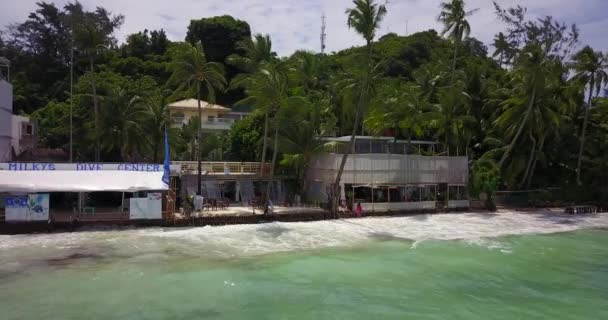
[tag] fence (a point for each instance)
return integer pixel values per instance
(217, 167)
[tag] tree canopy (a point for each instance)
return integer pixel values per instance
(533, 108)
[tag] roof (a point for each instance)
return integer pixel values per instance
(388, 139)
(192, 103)
(82, 177)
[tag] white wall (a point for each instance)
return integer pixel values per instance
(16, 132)
(6, 111)
(385, 168)
(397, 206)
(458, 204)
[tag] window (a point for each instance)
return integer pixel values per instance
(26, 129)
(210, 118)
(178, 118)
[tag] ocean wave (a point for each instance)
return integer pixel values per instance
(250, 240)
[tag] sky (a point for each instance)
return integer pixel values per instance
(296, 24)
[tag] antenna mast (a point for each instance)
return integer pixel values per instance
(323, 34)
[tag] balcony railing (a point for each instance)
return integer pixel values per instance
(230, 168)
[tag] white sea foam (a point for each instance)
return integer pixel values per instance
(250, 240)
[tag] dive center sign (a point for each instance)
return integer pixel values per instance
(43, 166)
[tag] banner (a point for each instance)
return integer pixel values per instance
(16, 208)
(146, 208)
(33, 207)
(38, 206)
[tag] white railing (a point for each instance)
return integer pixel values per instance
(218, 167)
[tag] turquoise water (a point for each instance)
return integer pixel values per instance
(465, 266)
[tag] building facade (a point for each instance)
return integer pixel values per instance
(385, 174)
(6, 120)
(214, 119)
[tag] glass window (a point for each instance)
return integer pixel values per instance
(381, 194)
(427, 193)
(410, 194)
(363, 194)
(178, 118)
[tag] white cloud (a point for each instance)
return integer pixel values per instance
(295, 24)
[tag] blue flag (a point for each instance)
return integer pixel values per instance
(166, 166)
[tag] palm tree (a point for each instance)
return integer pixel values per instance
(401, 108)
(306, 71)
(450, 117)
(590, 68)
(192, 70)
(256, 53)
(365, 18)
(91, 36)
(188, 134)
(120, 119)
(299, 142)
(504, 49)
(156, 120)
(532, 68)
(455, 25)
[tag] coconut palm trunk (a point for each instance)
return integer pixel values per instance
(198, 138)
(95, 109)
(530, 160)
(264, 147)
(335, 194)
(275, 151)
(583, 134)
(456, 43)
(533, 169)
(507, 153)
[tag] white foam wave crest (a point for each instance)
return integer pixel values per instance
(251, 240)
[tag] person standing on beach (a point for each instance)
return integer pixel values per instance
(358, 210)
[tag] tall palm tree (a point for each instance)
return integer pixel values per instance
(192, 70)
(398, 108)
(450, 117)
(299, 143)
(306, 71)
(503, 49)
(531, 72)
(257, 52)
(188, 134)
(91, 36)
(365, 18)
(156, 120)
(453, 16)
(120, 119)
(590, 68)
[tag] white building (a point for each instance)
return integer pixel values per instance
(6, 120)
(385, 174)
(17, 133)
(22, 134)
(214, 118)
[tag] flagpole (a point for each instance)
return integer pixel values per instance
(71, 95)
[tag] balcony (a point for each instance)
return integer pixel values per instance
(217, 124)
(225, 169)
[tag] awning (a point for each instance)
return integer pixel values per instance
(80, 181)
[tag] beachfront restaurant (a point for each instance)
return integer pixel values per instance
(68, 192)
(389, 175)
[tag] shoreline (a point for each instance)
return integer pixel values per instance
(16, 228)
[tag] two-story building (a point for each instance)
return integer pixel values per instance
(214, 118)
(6, 110)
(385, 174)
(17, 133)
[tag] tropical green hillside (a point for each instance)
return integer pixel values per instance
(531, 109)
